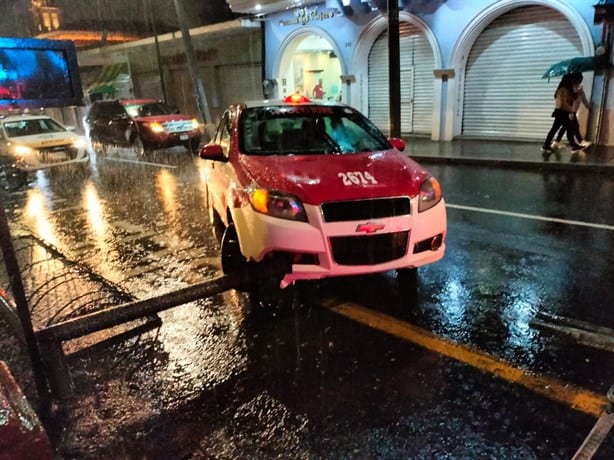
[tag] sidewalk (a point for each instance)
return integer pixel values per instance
(510, 154)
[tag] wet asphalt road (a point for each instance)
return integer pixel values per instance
(339, 375)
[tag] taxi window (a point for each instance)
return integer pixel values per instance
(307, 130)
(223, 132)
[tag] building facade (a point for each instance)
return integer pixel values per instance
(228, 57)
(469, 68)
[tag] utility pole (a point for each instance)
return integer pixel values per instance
(201, 98)
(159, 59)
(394, 72)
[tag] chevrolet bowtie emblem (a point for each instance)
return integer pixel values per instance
(369, 227)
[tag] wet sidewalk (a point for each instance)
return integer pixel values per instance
(514, 154)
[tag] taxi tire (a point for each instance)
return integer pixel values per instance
(232, 259)
(215, 220)
(407, 281)
(407, 275)
(265, 292)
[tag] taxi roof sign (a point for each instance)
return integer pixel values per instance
(296, 98)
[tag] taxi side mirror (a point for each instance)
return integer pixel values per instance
(212, 152)
(397, 143)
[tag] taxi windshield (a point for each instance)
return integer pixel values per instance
(306, 130)
(31, 127)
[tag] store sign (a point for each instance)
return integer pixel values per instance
(304, 15)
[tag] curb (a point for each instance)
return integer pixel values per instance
(593, 168)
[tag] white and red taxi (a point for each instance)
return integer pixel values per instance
(30, 142)
(319, 186)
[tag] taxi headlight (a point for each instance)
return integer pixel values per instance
(22, 150)
(79, 143)
(430, 194)
(195, 124)
(277, 204)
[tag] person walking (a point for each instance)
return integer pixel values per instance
(563, 115)
(318, 90)
(580, 99)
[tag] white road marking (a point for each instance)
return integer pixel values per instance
(139, 162)
(531, 216)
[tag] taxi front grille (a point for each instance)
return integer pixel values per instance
(376, 208)
(57, 153)
(369, 249)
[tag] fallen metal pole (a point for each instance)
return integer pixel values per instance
(114, 316)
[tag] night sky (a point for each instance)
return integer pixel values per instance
(133, 16)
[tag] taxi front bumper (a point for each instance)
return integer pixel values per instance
(318, 249)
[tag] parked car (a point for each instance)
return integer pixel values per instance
(142, 124)
(31, 142)
(315, 187)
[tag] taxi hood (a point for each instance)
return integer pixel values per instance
(318, 178)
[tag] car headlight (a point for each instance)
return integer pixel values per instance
(155, 127)
(430, 194)
(22, 150)
(195, 124)
(276, 204)
(79, 143)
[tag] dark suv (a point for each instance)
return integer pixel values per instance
(142, 124)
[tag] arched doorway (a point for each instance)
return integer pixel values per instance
(417, 62)
(307, 59)
(471, 47)
(504, 95)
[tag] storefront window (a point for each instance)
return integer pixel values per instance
(311, 66)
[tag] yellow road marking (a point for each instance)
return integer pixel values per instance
(578, 398)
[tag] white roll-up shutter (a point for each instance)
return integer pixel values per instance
(504, 94)
(416, 67)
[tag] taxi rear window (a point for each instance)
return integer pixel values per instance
(307, 130)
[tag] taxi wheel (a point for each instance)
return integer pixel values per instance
(265, 292)
(407, 279)
(232, 259)
(408, 275)
(217, 225)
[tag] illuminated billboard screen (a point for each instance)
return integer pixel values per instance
(38, 73)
